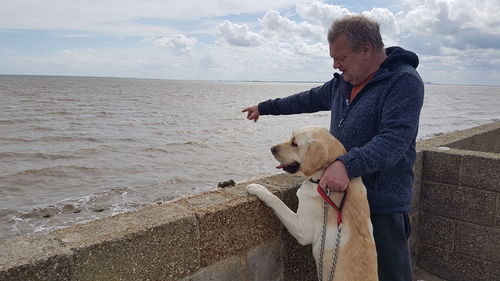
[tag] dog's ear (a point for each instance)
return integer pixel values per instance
(316, 158)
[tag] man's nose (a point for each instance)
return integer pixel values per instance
(336, 65)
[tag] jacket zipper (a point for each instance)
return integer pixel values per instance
(347, 104)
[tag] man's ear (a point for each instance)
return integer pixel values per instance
(316, 158)
(367, 50)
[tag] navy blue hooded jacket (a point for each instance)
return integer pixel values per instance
(378, 128)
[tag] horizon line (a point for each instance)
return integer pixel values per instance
(223, 80)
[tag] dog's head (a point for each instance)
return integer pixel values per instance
(309, 150)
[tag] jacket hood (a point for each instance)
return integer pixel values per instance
(397, 56)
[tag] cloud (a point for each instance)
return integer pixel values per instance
(238, 34)
(458, 41)
(272, 60)
(321, 12)
(144, 61)
(122, 17)
(461, 67)
(178, 43)
(453, 23)
(207, 62)
(325, 14)
(277, 47)
(319, 50)
(442, 33)
(387, 20)
(237, 39)
(279, 27)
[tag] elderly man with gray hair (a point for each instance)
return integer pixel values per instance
(375, 105)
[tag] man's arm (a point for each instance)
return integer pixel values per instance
(314, 100)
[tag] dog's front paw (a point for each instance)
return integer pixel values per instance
(257, 190)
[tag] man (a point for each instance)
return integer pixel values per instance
(375, 107)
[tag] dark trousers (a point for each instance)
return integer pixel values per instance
(391, 232)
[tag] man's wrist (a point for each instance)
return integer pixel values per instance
(339, 160)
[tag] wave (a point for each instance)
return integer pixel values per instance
(188, 143)
(89, 202)
(39, 128)
(67, 212)
(52, 138)
(59, 171)
(37, 155)
(155, 149)
(173, 180)
(63, 112)
(123, 139)
(68, 99)
(104, 113)
(19, 121)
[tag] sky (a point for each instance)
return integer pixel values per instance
(457, 41)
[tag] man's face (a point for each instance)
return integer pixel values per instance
(348, 61)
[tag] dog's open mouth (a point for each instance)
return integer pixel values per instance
(291, 168)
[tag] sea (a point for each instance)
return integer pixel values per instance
(75, 149)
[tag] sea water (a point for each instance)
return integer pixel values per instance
(74, 149)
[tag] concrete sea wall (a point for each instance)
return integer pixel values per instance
(227, 235)
(459, 211)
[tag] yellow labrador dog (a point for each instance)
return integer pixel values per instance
(310, 151)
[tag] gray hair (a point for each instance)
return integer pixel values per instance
(359, 30)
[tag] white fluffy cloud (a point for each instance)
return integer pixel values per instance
(453, 23)
(282, 44)
(446, 34)
(321, 12)
(309, 33)
(238, 34)
(387, 20)
(279, 27)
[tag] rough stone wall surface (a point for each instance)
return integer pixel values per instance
(459, 226)
(219, 234)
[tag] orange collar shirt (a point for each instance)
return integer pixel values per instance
(356, 89)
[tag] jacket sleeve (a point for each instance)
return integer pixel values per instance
(316, 99)
(396, 133)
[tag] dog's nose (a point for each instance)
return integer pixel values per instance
(274, 149)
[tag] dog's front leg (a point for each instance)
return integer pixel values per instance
(292, 221)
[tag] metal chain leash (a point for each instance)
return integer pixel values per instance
(323, 237)
(322, 247)
(336, 253)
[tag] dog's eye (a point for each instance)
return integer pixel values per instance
(294, 143)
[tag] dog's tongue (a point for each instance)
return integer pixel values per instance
(280, 166)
